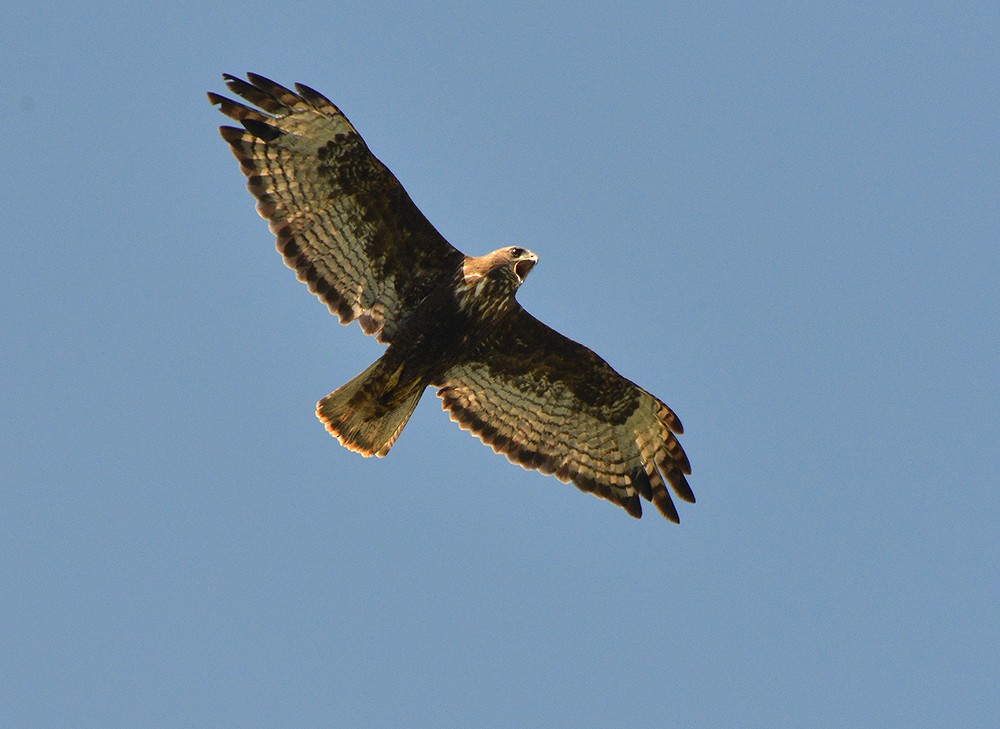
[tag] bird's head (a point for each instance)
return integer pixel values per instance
(511, 263)
(490, 282)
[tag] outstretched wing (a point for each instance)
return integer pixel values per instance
(549, 403)
(342, 220)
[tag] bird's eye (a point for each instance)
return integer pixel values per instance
(516, 252)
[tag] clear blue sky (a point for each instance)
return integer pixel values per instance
(782, 218)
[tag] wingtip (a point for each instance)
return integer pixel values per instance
(257, 79)
(233, 135)
(669, 511)
(633, 506)
(680, 485)
(662, 500)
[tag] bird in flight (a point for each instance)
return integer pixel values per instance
(451, 321)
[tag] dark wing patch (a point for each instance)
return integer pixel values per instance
(549, 403)
(342, 220)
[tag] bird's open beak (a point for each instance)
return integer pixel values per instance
(522, 267)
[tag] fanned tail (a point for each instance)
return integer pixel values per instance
(368, 413)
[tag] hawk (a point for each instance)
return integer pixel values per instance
(345, 224)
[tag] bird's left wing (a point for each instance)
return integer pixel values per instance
(549, 403)
(342, 220)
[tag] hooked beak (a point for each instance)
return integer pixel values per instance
(522, 267)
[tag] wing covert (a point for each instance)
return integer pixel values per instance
(341, 218)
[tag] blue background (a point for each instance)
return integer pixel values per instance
(782, 218)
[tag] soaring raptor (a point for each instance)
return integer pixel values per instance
(352, 234)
